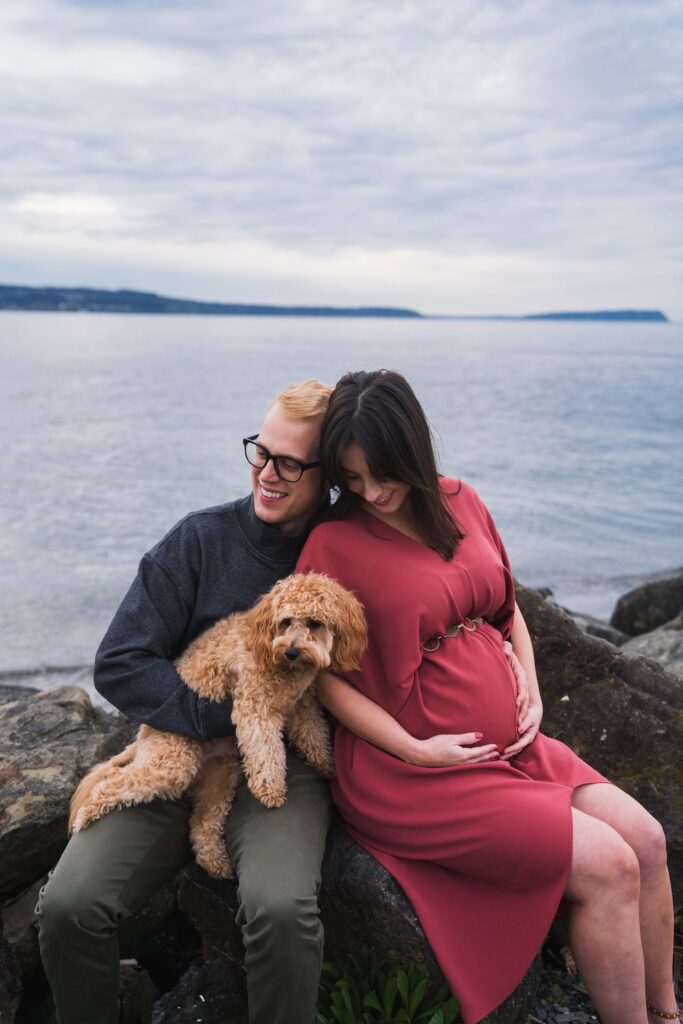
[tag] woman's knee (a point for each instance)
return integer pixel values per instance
(649, 842)
(602, 862)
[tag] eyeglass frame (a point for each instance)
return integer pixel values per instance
(303, 466)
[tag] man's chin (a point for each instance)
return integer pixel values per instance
(274, 512)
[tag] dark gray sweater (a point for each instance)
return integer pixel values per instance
(214, 562)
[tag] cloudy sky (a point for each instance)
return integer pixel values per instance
(462, 156)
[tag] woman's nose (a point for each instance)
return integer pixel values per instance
(372, 490)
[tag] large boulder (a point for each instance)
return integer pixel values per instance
(48, 741)
(623, 714)
(651, 605)
(664, 645)
(10, 982)
(360, 905)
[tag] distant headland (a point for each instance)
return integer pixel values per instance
(100, 300)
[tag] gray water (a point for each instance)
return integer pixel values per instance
(113, 427)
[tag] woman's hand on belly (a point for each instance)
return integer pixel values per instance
(452, 749)
(527, 732)
(521, 681)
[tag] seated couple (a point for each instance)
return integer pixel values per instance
(443, 775)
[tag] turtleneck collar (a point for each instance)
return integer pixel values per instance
(267, 542)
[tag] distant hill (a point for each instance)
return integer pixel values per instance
(97, 300)
(607, 314)
(100, 300)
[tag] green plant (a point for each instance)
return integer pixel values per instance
(363, 990)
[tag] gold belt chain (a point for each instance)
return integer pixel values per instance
(434, 642)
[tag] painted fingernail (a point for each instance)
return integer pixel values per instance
(478, 735)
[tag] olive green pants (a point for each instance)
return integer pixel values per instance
(110, 870)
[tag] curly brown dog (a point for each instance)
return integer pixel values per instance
(266, 659)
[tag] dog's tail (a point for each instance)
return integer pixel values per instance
(89, 781)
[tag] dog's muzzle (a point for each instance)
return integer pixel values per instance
(292, 653)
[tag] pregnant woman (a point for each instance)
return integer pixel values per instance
(442, 774)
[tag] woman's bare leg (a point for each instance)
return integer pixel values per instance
(604, 927)
(645, 836)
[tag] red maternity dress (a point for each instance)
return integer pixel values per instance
(482, 851)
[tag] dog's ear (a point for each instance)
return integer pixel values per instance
(260, 633)
(350, 633)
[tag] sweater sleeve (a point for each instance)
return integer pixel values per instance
(134, 664)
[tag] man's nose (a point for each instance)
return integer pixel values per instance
(268, 473)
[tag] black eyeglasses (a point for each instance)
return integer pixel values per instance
(286, 467)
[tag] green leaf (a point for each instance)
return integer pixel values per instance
(371, 1000)
(402, 983)
(450, 1010)
(417, 996)
(389, 995)
(437, 1018)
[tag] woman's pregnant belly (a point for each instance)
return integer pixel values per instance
(465, 686)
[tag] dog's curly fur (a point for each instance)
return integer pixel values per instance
(267, 660)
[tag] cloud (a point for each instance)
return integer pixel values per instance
(468, 135)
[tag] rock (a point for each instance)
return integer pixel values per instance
(138, 994)
(10, 982)
(651, 605)
(15, 692)
(20, 928)
(48, 741)
(360, 905)
(211, 906)
(205, 993)
(596, 627)
(621, 713)
(161, 938)
(664, 645)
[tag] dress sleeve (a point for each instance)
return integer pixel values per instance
(323, 552)
(502, 616)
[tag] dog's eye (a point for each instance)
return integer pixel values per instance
(285, 623)
(313, 624)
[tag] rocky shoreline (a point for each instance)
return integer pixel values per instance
(612, 691)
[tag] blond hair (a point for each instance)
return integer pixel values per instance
(303, 399)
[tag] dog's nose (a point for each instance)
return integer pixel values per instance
(292, 653)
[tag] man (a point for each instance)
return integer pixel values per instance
(214, 562)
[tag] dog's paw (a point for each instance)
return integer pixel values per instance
(216, 863)
(82, 820)
(326, 768)
(271, 794)
(322, 764)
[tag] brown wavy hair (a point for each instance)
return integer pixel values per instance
(379, 411)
